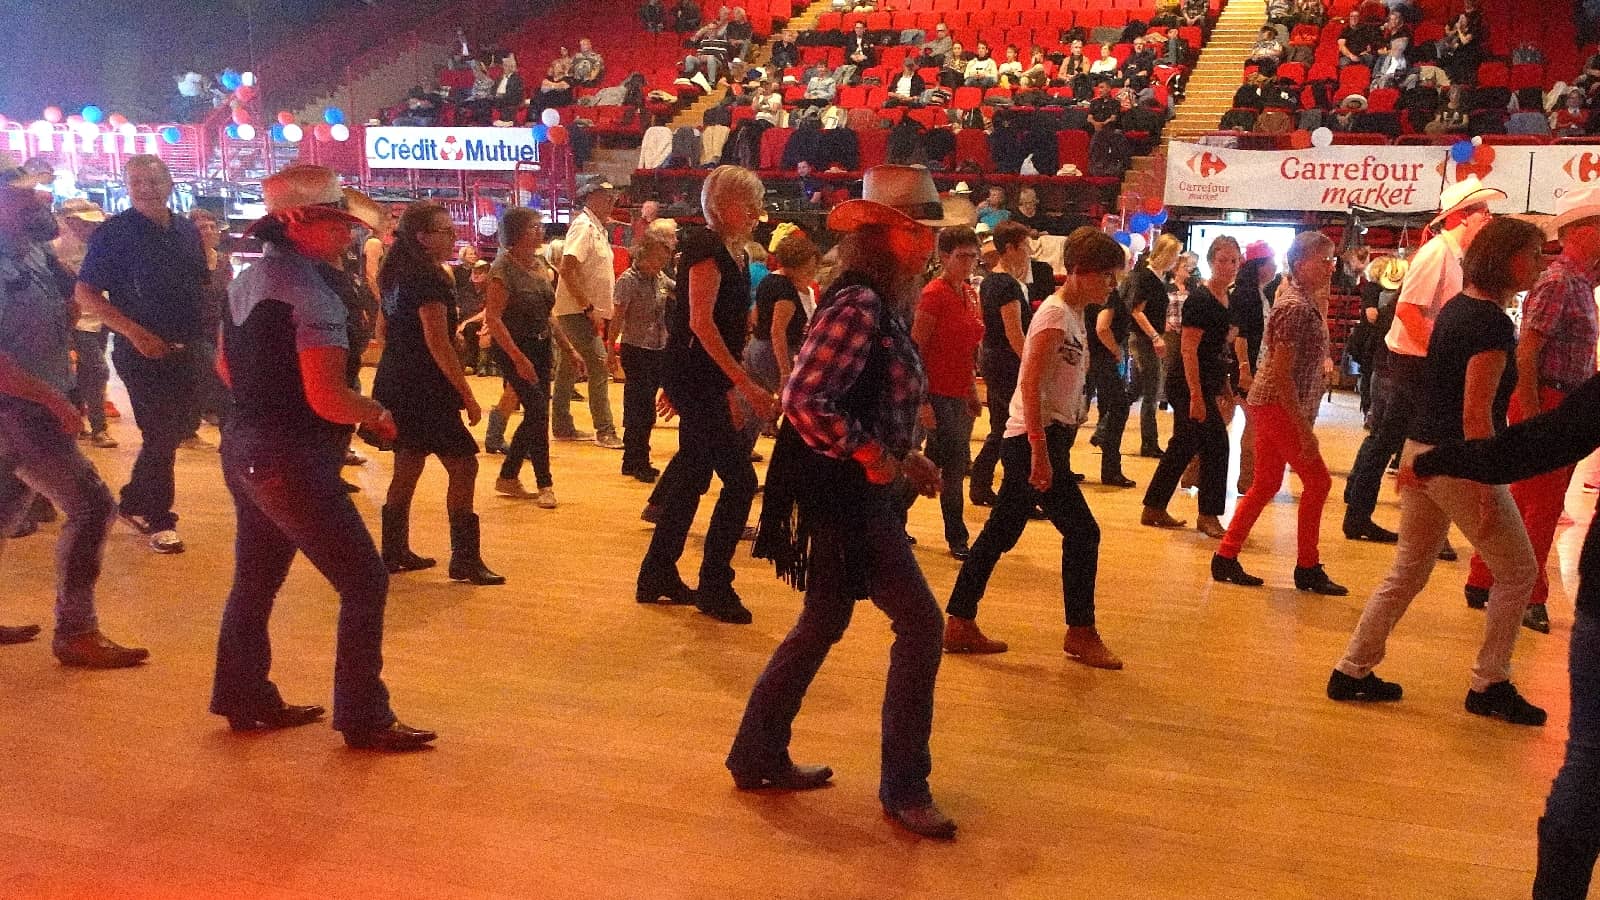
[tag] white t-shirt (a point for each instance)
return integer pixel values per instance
(1061, 399)
(588, 243)
(1433, 279)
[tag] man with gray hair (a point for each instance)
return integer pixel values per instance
(583, 307)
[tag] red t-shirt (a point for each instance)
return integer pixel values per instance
(950, 354)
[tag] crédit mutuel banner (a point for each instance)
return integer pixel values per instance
(1391, 179)
(480, 149)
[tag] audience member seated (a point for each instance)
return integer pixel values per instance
(1452, 117)
(1251, 94)
(1390, 62)
(1009, 72)
(992, 211)
(556, 89)
(1461, 50)
(653, 15)
(1267, 51)
(1196, 13)
(769, 103)
(587, 67)
(953, 73)
(1028, 212)
(421, 108)
(982, 71)
(1310, 12)
(859, 50)
(906, 89)
(1104, 109)
(1280, 12)
(784, 53)
(710, 51)
(1570, 119)
(1140, 65)
(1105, 68)
(936, 48)
(1358, 42)
(821, 87)
(686, 17)
(1168, 14)
(1344, 118)
(739, 34)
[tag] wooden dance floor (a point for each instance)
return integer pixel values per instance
(582, 735)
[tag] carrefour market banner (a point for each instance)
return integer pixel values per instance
(450, 148)
(1389, 178)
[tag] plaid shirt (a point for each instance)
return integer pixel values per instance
(1561, 307)
(1295, 322)
(833, 356)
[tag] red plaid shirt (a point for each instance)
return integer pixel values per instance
(1561, 307)
(835, 352)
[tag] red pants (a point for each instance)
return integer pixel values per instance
(1540, 500)
(1278, 444)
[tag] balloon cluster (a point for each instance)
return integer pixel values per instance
(1152, 214)
(1472, 157)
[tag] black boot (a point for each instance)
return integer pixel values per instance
(465, 563)
(397, 555)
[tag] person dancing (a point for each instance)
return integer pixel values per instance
(1283, 402)
(420, 380)
(1195, 390)
(831, 516)
(1046, 408)
(1462, 391)
(283, 356)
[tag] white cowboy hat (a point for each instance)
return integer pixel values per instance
(895, 196)
(1356, 100)
(1467, 192)
(961, 209)
(1574, 206)
(305, 190)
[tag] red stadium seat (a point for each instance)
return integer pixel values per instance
(972, 146)
(967, 98)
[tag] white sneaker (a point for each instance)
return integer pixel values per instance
(512, 487)
(166, 542)
(608, 440)
(547, 498)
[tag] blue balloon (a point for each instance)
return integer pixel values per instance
(1139, 224)
(171, 134)
(333, 115)
(232, 131)
(277, 132)
(1461, 151)
(541, 133)
(1123, 238)
(1159, 218)
(94, 115)
(230, 79)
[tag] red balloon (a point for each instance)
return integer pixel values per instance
(245, 93)
(285, 117)
(52, 114)
(322, 132)
(1152, 205)
(117, 120)
(1483, 155)
(241, 116)
(558, 134)
(1300, 140)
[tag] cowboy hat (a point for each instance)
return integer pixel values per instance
(1574, 206)
(594, 187)
(1467, 192)
(303, 190)
(894, 196)
(1355, 100)
(1391, 272)
(961, 210)
(83, 210)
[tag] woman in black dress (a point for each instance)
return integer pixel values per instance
(420, 380)
(714, 397)
(1193, 388)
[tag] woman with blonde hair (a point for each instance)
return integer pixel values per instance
(780, 325)
(715, 398)
(1147, 292)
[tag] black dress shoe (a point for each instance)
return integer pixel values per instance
(285, 716)
(1537, 618)
(1369, 531)
(673, 593)
(982, 498)
(1118, 481)
(1477, 597)
(1367, 689)
(1501, 700)
(1315, 579)
(724, 605)
(397, 738)
(961, 552)
(18, 634)
(1077, 477)
(1448, 553)
(927, 820)
(794, 778)
(1228, 571)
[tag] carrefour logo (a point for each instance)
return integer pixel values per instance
(1584, 167)
(454, 149)
(1205, 164)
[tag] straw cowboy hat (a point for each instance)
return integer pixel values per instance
(1467, 192)
(83, 210)
(1573, 207)
(314, 191)
(961, 210)
(1388, 272)
(895, 196)
(1354, 101)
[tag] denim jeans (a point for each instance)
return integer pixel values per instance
(287, 502)
(643, 368)
(949, 446)
(1486, 515)
(1394, 402)
(37, 455)
(899, 589)
(1063, 503)
(1148, 370)
(162, 392)
(211, 395)
(531, 440)
(1000, 369)
(593, 351)
(92, 374)
(1209, 439)
(1569, 833)
(1112, 392)
(707, 444)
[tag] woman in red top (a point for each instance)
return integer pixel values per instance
(947, 330)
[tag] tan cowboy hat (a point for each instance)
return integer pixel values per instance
(83, 210)
(896, 196)
(960, 209)
(1467, 192)
(314, 190)
(1574, 206)
(1391, 272)
(1354, 100)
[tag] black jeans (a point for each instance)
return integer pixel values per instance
(1148, 369)
(1394, 403)
(287, 502)
(1063, 503)
(707, 444)
(899, 589)
(531, 441)
(162, 392)
(949, 446)
(1000, 382)
(1569, 833)
(1209, 439)
(642, 366)
(1112, 393)
(211, 395)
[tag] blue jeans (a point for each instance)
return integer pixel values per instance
(900, 590)
(1569, 833)
(92, 375)
(949, 445)
(37, 455)
(162, 392)
(531, 440)
(285, 502)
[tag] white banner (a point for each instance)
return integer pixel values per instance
(450, 148)
(1392, 179)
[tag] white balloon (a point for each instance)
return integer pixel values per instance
(339, 132)
(40, 128)
(1322, 137)
(127, 128)
(1137, 243)
(550, 117)
(293, 133)
(1477, 141)
(247, 132)
(248, 79)
(86, 129)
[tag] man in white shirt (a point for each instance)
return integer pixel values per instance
(1432, 280)
(583, 307)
